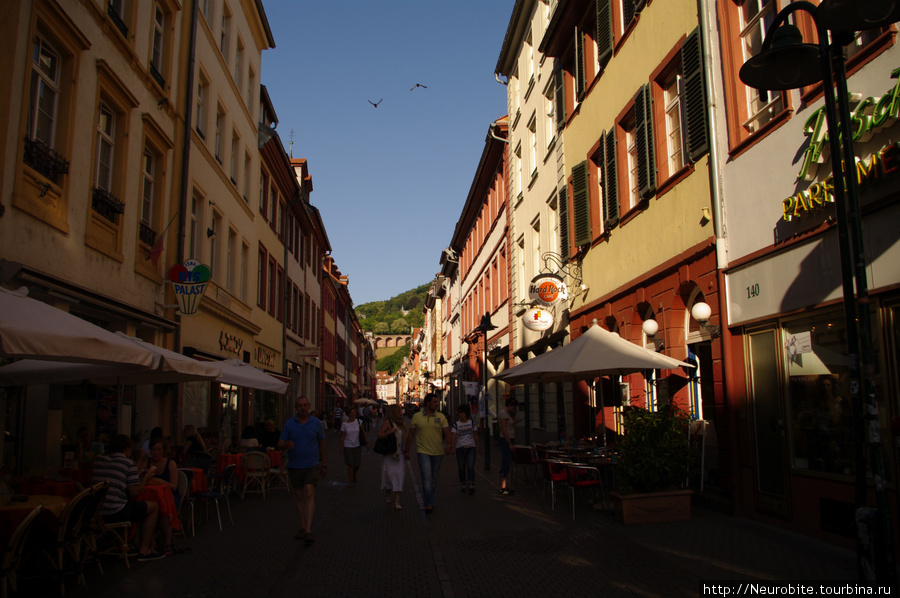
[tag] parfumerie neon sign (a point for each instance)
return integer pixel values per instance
(870, 116)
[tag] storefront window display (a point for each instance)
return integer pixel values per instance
(818, 394)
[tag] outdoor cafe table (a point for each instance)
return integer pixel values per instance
(159, 492)
(198, 480)
(12, 513)
(64, 488)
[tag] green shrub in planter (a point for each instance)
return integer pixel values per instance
(655, 453)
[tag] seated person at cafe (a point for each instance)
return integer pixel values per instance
(120, 504)
(84, 449)
(167, 472)
(268, 438)
(193, 442)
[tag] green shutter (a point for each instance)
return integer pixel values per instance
(579, 64)
(560, 99)
(695, 109)
(581, 209)
(604, 32)
(564, 223)
(610, 181)
(643, 124)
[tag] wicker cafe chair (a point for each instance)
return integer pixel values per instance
(92, 527)
(280, 474)
(256, 466)
(65, 549)
(13, 554)
(184, 491)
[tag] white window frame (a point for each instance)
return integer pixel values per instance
(44, 84)
(148, 174)
(106, 147)
(674, 126)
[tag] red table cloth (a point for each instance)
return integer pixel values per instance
(162, 494)
(64, 488)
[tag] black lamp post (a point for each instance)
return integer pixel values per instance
(485, 327)
(783, 63)
(442, 362)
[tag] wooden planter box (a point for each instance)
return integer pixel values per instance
(653, 507)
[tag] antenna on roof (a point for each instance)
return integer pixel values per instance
(291, 149)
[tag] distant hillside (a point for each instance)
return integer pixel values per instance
(397, 315)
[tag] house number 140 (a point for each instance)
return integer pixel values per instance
(753, 291)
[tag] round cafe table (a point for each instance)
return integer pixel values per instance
(64, 488)
(12, 513)
(226, 459)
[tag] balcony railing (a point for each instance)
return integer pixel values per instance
(116, 19)
(107, 205)
(43, 159)
(157, 76)
(147, 234)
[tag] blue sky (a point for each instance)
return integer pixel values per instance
(391, 181)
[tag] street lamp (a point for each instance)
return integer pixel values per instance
(485, 327)
(442, 362)
(785, 62)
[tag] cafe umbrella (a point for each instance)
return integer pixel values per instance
(33, 329)
(597, 352)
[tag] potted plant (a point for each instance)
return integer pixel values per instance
(654, 460)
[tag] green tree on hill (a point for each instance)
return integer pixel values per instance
(406, 306)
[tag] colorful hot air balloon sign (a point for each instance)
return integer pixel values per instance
(189, 281)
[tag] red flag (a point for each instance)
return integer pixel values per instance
(157, 248)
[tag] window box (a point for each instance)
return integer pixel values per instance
(44, 160)
(107, 205)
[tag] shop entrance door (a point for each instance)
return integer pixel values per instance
(768, 423)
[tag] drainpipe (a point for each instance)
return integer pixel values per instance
(721, 244)
(186, 152)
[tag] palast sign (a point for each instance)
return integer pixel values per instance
(547, 289)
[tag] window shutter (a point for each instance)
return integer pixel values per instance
(629, 11)
(643, 121)
(610, 181)
(604, 32)
(581, 214)
(579, 64)
(695, 114)
(564, 223)
(560, 99)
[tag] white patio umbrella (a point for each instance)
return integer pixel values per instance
(33, 329)
(171, 367)
(235, 371)
(595, 353)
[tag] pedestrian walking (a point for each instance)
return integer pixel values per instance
(302, 437)
(431, 432)
(338, 417)
(353, 439)
(465, 443)
(507, 440)
(393, 468)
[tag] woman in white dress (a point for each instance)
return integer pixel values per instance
(393, 465)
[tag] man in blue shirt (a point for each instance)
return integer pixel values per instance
(302, 437)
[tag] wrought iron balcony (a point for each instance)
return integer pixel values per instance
(157, 76)
(147, 234)
(107, 205)
(43, 159)
(116, 19)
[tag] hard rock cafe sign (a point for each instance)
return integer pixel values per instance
(547, 289)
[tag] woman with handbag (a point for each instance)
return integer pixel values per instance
(391, 436)
(353, 439)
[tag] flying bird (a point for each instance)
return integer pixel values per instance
(375, 103)
(418, 85)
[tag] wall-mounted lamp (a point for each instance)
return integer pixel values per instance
(701, 312)
(210, 233)
(650, 328)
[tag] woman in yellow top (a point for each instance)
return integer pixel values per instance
(431, 431)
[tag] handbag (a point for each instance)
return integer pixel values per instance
(386, 445)
(362, 436)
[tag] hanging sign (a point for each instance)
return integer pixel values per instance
(189, 281)
(537, 319)
(547, 289)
